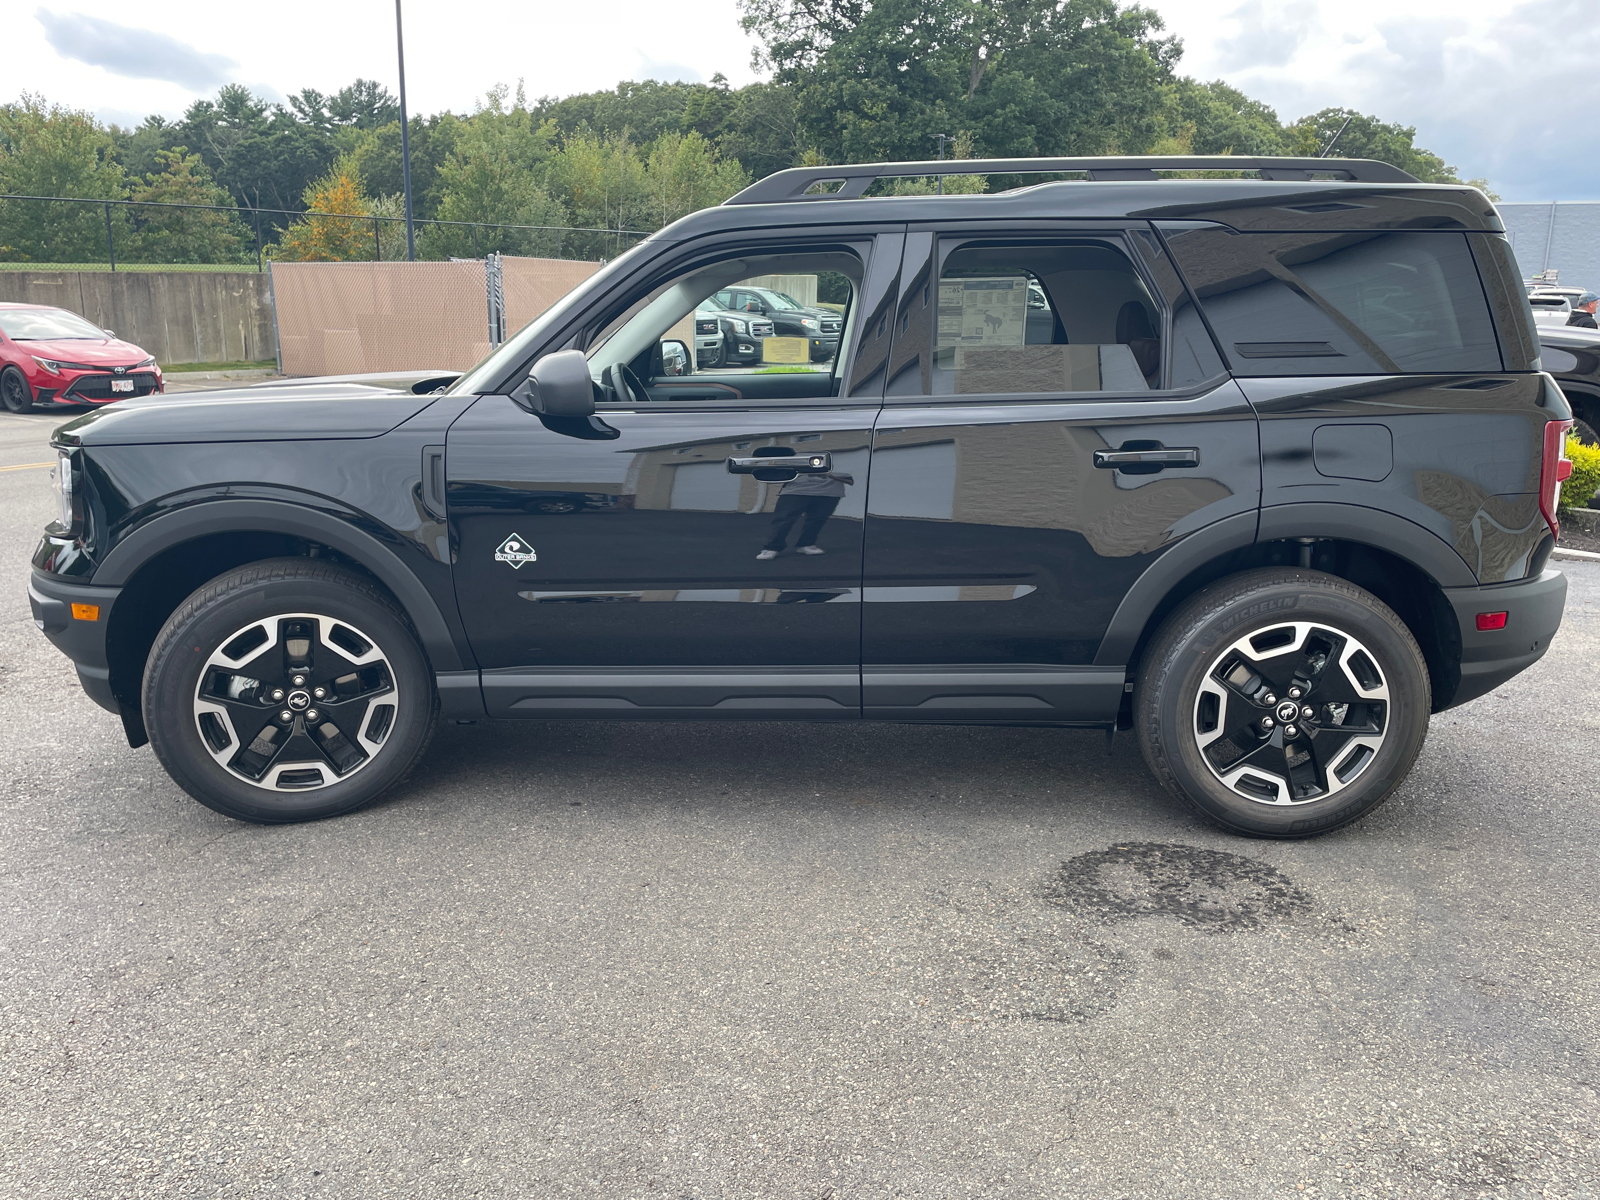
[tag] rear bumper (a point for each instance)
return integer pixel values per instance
(1533, 610)
(81, 639)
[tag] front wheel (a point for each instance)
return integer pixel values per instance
(15, 392)
(288, 690)
(1282, 703)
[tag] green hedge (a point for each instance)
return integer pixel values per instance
(1580, 488)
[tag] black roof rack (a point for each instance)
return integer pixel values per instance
(853, 180)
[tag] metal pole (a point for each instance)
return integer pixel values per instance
(377, 246)
(943, 138)
(474, 239)
(111, 248)
(405, 137)
(258, 241)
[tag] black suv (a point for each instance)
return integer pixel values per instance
(1264, 469)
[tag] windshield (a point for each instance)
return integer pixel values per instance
(46, 324)
(781, 300)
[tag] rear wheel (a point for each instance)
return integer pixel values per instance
(15, 392)
(287, 690)
(1282, 703)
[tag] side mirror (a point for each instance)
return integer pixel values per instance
(110, 333)
(674, 358)
(557, 386)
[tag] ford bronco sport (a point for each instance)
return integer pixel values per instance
(1262, 468)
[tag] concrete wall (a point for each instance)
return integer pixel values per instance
(1562, 234)
(178, 316)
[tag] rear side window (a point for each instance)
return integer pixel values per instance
(1340, 303)
(1043, 318)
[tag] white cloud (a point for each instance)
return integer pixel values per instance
(1497, 90)
(132, 52)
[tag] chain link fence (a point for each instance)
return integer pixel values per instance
(139, 235)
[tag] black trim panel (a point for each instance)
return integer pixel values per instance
(1533, 611)
(1370, 527)
(1160, 577)
(747, 693)
(223, 516)
(1053, 695)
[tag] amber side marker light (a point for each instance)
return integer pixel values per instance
(1486, 621)
(91, 612)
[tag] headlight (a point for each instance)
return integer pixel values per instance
(739, 326)
(49, 365)
(809, 323)
(62, 478)
(139, 366)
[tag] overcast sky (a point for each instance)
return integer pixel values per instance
(1505, 90)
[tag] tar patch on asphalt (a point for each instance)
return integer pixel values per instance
(1210, 890)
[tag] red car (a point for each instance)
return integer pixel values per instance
(52, 355)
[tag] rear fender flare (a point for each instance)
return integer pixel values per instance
(276, 516)
(1404, 539)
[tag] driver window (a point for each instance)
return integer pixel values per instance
(733, 326)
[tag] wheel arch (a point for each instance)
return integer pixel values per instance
(1400, 562)
(165, 560)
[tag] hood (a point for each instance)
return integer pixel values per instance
(417, 382)
(96, 352)
(313, 411)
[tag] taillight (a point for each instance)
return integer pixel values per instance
(1555, 468)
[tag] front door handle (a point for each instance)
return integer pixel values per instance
(1147, 458)
(818, 463)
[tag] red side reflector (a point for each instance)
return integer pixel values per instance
(1488, 621)
(1564, 470)
(85, 612)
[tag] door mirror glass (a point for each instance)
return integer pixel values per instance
(675, 358)
(558, 386)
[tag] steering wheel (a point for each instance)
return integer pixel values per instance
(626, 385)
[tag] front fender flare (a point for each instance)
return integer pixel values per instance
(208, 517)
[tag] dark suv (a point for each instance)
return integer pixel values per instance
(820, 327)
(1264, 469)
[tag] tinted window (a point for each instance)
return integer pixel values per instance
(1043, 318)
(1340, 303)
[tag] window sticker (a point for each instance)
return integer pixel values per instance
(982, 313)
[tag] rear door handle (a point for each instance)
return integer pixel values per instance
(1146, 460)
(819, 463)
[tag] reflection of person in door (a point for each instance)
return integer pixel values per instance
(811, 497)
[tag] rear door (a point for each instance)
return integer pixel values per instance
(1056, 419)
(615, 567)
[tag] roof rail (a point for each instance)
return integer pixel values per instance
(853, 180)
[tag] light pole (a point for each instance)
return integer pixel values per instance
(941, 138)
(405, 136)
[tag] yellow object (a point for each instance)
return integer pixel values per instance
(85, 612)
(786, 350)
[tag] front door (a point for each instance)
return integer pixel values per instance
(648, 564)
(1056, 419)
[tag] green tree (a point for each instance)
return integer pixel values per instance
(491, 178)
(603, 182)
(1220, 119)
(48, 150)
(186, 235)
(879, 80)
(377, 158)
(685, 174)
(1368, 137)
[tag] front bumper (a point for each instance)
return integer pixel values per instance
(1533, 610)
(79, 637)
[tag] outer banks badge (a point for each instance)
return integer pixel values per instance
(516, 551)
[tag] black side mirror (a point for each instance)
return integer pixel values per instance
(557, 386)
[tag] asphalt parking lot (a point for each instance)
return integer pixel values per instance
(793, 961)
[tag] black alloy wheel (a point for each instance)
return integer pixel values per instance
(288, 690)
(15, 392)
(1282, 703)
